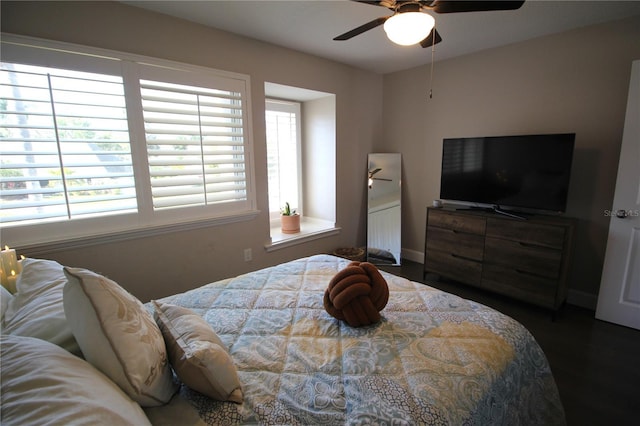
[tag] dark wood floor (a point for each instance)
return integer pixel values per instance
(596, 364)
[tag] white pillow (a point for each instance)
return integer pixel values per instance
(118, 336)
(43, 383)
(36, 310)
(197, 354)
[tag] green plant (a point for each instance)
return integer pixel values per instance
(287, 210)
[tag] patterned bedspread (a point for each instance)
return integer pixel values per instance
(434, 359)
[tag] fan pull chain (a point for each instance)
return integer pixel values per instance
(433, 49)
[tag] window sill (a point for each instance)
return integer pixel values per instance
(35, 249)
(310, 229)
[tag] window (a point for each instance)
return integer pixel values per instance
(301, 150)
(195, 144)
(283, 155)
(100, 142)
(65, 145)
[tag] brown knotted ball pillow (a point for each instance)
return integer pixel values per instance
(357, 294)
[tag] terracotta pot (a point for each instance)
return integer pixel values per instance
(290, 224)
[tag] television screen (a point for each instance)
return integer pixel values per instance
(529, 171)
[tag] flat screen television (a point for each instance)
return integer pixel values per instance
(525, 172)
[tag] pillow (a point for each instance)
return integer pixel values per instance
(43, 383)
(36, 310)
(5, 298)
(118, 336)
(197, 354)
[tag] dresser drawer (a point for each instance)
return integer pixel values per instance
(523, 257)
(520, 285)
(469, 246)
(527, 232)
(528, 260)
(456, 222)
(454, 267)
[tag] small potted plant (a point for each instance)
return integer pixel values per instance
(290, 220)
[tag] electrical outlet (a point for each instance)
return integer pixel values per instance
(247, 254)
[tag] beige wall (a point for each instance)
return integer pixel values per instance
(156, 266)
(318, 158)
(572, 82)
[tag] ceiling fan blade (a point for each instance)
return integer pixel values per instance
(362, 28)
(373, 2)
(448, 6)
(428, 42)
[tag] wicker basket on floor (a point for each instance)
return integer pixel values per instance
(351, 253)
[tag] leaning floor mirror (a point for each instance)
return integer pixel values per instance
(383, 209)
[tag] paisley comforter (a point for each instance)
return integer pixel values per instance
(434, 359)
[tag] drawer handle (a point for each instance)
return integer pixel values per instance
(534, 246)
(527, 244)
(530, 274)
(462, 257)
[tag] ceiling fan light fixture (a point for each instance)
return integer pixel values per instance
(408, 28)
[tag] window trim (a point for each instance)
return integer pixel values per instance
(310, 229)
(273, 104)
(40, 52)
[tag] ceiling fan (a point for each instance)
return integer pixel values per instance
(409, 23)
(371, 178)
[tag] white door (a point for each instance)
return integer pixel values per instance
(619, 297)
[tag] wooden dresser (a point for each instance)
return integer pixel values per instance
(525, 259)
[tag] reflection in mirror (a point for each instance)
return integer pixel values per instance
(383, 210)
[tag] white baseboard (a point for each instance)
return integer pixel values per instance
(412, 255)
(574, 297)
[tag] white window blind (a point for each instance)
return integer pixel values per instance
(283, 155)
(64, 145)
(195, 144)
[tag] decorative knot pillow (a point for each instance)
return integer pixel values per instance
(357, 294)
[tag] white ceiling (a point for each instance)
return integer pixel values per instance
(310, 25)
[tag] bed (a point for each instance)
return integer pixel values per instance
(433, 358)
